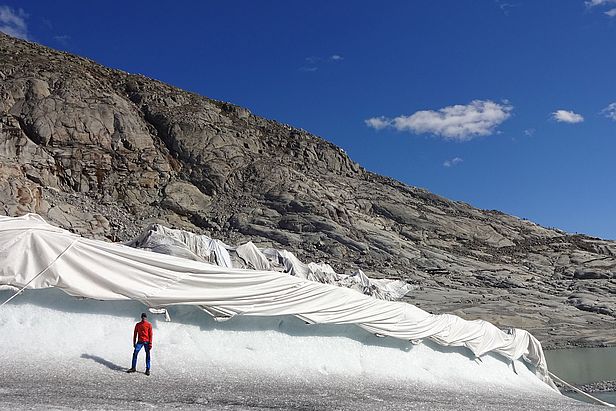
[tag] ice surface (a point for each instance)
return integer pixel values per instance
(57, 350)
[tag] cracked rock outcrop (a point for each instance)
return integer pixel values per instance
(103, 153)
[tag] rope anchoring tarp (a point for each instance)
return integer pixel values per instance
(595, 399)
(40, 273)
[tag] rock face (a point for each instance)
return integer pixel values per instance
(103, 153)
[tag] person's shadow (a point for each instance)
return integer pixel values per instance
(104, 362)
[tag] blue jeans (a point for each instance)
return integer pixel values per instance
(138, 346)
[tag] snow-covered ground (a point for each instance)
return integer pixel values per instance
(60, 352)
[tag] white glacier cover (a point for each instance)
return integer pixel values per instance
(198, 247)
(38, 255)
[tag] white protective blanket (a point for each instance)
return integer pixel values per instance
(35, 253)
(180, 243)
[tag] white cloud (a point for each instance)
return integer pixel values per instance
(13, 22)
(459, 122)
(378, 123)
(336, 57)
(564, 116)
(529, 132)
(610, 111)
(594, 3)
(453, 162)
(600, 3)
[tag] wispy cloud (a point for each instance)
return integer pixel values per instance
(459, 122)
(308, 69)
(505, 7)
(313, 59)
(47, 23)
(610, 111)
(452, 162)
(567, 116)
(600, 3)
(595, 3)
(529, 132)
(62, 39)
(611, 12)
(312, 63)
(13, 22)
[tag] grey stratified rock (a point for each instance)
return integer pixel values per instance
(185, 199)
(103, 153)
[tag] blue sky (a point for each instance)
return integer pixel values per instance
(501, 104)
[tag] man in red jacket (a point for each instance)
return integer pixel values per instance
(143, 330)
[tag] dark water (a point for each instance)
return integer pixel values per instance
(585, 366)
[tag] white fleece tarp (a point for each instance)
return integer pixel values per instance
(106, 271)
(180, 243)
(199, 247)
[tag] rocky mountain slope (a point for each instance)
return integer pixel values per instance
(103, 152)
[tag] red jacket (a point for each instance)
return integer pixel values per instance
(143, 329)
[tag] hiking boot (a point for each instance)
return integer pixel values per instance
(147, 371)
(130, 370)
